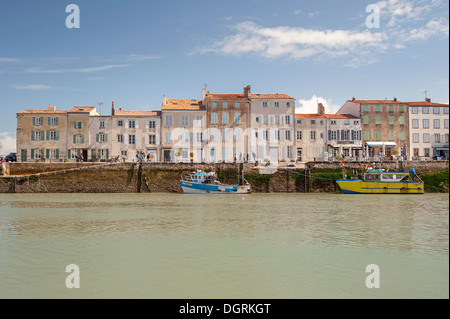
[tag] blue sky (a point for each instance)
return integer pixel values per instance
(132, 52)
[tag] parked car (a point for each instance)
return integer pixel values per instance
(11, 157)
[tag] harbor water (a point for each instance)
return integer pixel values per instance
(273, 246)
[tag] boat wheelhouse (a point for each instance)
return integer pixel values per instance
(200, 182)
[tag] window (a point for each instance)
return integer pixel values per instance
(53, 121)
(426, 123)
(38, 135)
(123, 153)
(415, 110)
(436, 124)
(391, 135)
(402, 136)
(378, 119)
(225, 104)
(313, 135)
(366, 135)
(436, 110)
(52, 154)
(265, 134)
(37, 120)
(169, 120)
(289, 151)
(426, 152)
(168, 137)
(237, 104)
(288, 104)
(277, 120)
(378, 135)
(214, 104)
(224, 153)
(287, 120)
(265, 119)
(415, 123)
(120, 138)
(214, 118)
(237, 118)
(416, 152)
(224, 118)
(277, 135)
(426, 138)
(257, 119)
(401, 120)
(264, 104)
(425, 110)
(446, 125)
(54, 135)
(198, 137)
(152, 139)
(277, 104)
(446, 110)
(78, 139)
(213, 134)
(391, 108)
(437, 138)
(120, 123)
(37, 154)
(237, 134)
(333, 122)
(366, 119)
(77, 125)
(391, 120)
(415, 138)
(401, 108)
(102, 137)
(102, 124)
(377, 108)
(184, 120)
(313, 121)
(288, 135)
(366, 107)
(131, 124)
(151, 124)
(132, 139)
(224, 134)
(299, 135)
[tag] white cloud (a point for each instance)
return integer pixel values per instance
(32, 87)
(293, 42)
(9, 60)
(310, 106)
(80, 70)
(7, 143)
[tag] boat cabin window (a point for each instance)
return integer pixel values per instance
(372, 177)
(388, 177)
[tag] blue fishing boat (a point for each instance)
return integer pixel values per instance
(201, 182)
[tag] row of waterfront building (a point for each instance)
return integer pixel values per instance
(237, 127)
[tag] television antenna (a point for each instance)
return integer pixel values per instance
(425, 92)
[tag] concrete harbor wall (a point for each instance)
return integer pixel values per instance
(164, 177)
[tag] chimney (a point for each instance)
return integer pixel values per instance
(164, 100)
(353, 99)
(428, 100)
(320, 109)
(113, 110)
(247, 91)
(203, 93)
(395, 99)
(51, 108)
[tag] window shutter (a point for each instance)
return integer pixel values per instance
(32, 135)
(42, 120)
(47, 135)
(106, 137)
(137, 140)
(96, 137)
(57, 153)
(74, 139)
(107, 153)
(57, 135)
(74, 124)
(56, 121)
(82, 139)
(99, 153)
(48, 120)
(32, 153)
(34, 121)
(47, 153)
(68, 154)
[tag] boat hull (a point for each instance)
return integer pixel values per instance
(201, 188)
(363, 187)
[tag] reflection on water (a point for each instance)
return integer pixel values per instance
(187, 234)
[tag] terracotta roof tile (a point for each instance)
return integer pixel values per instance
(226, 97)
(183, 104)
(426, 104)
(82, 109)
(326, 116)
(41, 112)
(378, 101)
(270, 96)
(137, 113)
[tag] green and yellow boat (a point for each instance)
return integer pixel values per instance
(379, 181)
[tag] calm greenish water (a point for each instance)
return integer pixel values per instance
(224, 246)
